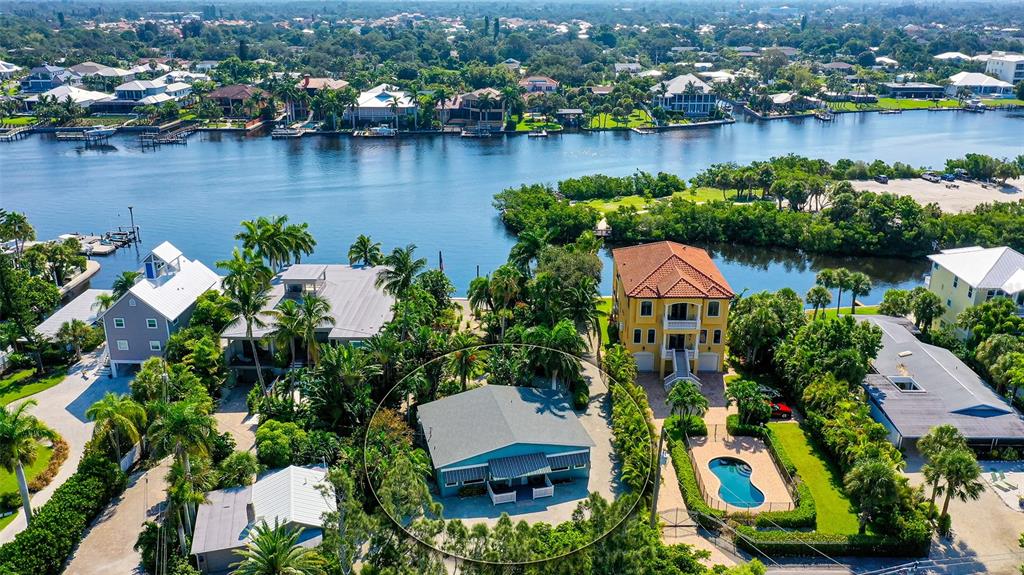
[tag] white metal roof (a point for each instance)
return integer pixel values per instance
(292, 495)
(952, 56)
(81, 308)
(984, 268)
(171, 294)
(166, 252)
(977, 79)
(78, 95)
(382, 96)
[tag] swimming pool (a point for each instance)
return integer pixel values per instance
(736, 488)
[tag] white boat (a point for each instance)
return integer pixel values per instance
(377, 132)
(538, 134)
(475, 133)
(100, 132)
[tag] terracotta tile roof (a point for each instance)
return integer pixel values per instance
(668, 269)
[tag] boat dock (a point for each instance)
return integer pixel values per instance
(177, 136)
(17, 133)
(106, 244)
(82, 136)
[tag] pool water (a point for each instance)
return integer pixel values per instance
(736, 488)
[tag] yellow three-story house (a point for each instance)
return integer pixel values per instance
(672, 308)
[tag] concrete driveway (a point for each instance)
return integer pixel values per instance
(62, 408)
(233, 416)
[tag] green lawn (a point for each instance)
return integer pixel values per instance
(606, 308)
(636, 119)
(698, 195)
(606, 206)
(531, 124)
(9, 483)
(845, 310)
(894, 104)
(21, 384)
(19, 120)
(835, 514)
(1003, 102)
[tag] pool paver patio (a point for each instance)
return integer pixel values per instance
(752, 451)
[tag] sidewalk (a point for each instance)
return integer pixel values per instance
(62, 408)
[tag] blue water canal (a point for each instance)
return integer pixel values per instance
(736, 489)
(436, 192)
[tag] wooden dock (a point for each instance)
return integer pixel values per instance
(177, 136)
(81, 136)
(15, 133)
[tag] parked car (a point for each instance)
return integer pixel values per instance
(781, 411)
(930, 176)
(962, 174)
(882, 179)
(768, 391)
(949, 177)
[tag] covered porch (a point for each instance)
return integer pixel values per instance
(519, 477)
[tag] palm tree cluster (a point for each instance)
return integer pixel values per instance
(276, 241)
(21, 435)
(857, 283)
(60, 112)
(952, 468)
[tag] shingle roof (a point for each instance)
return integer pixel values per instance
(235, 92)
(951, 392)
(668, 269)
(491, 417)
(984, 268)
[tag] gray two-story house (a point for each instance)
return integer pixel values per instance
(160, 303)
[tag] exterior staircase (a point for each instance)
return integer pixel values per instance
(680, 370)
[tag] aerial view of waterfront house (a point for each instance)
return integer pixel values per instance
(964, 277)
(512, 441)
(151, 92)
(978, 84)
(671, 305)
(916, 386)
(538, 84)
(358, 307)
(47, 77)
(685, 93)
(160, 303)
(234, 98)
(914, 90)
(291, 497)
(82, 97)
(468, 109)
(382, 103)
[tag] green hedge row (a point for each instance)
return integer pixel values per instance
(59, 525)
(796, 543)
(688, 483)
(734, 427)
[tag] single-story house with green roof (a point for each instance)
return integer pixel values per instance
(512, 441)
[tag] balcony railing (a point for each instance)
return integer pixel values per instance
(547, 491)
(681, 324)
(499, 498)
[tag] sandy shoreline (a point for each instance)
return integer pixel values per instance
(954, 200)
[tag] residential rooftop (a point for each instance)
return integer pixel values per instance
(985, 268)
(669, 269)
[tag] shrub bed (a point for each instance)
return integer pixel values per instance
(688, 484)
(59, 525)
(796, 543)
(57, 458)
(734, 427)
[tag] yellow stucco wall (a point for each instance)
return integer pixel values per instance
(628, 315)
(956, 294)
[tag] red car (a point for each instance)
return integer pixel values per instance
(781, 411)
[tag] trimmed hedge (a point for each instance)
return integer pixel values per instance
(57, 458)
(688, 483)
(59, 525)
(690, 425)
(734, 427)
(795, 543)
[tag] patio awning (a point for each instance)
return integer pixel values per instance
(465, 474)
(518, 466)
(569, 460)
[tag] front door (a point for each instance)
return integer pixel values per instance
(678, 341)
(677, 311)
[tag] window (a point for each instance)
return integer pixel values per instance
(122, 345)
(131, 301)
(637, 335)
(448, 483)
(970, 292)
(703, 336)
(473, 481)
(714, 308)
(991, 294)
(956, 282)
(650, 336)
(717, 337)
(949, 303)
(154, 345)
(560, 468)
(935, 266)
(646, 309)
(151, 323)
(119, 322)
(579, 466)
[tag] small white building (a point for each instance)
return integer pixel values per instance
(82, 97)
(978, 84)
(953, 56)
(7, 70)
(383, 103)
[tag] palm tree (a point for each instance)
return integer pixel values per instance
(527, 249)
(819, 297)
(685, 399)
(104, 301)
(243, 266)
(859, 284)
(467, 357)
(75, 333)
(479, 294)
(314, 311)
(348, 99)
(288, 321)
(483, 106)
(393, 106)
(365, 251)
(962, 473)
(182, 429)
(873, 484)
(247, 298)
(838, 278)
(583, 306)
(124, 282)
(116, 415)
(20, 434)
(276, 241)
(15, 226)
(556, 349)
(401, 268)
(276, 551)
(938, 441)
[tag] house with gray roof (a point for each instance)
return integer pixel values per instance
(966, 277)
(685, 93)
(359, 308)
(292, 496)
(160, 303)
(916, 386)
(511, 441)
(82, 308)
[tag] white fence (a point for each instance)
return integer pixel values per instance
(499, 498)
(547, 491)
(131, 458)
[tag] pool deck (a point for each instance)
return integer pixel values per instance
(754, 452)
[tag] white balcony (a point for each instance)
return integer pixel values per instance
(681, 324)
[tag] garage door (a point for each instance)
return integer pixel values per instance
(707, 362)
(644, 361)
